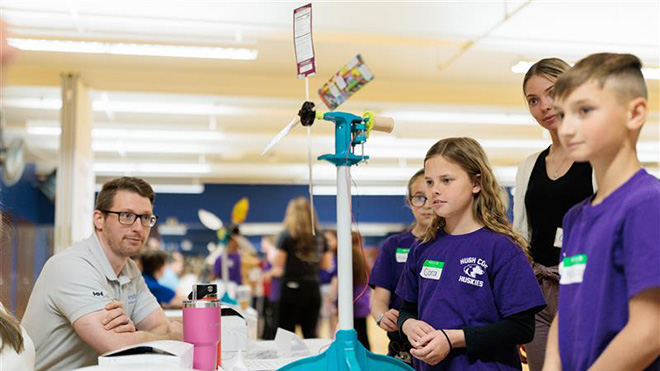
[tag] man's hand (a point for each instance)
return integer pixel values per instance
(389, 320)
(116, 319)
(415, 330)
(435, 349)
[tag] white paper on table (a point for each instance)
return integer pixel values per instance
(268, 364)
(290, 344)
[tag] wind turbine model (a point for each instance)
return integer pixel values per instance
(212, 222)
(346, 352)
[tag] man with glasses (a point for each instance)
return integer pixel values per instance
(67, 314)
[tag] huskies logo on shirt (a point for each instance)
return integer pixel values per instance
(473, 268)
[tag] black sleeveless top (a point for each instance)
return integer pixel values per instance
(546, 202)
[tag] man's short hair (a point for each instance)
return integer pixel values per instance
(106, 196)
(623, 71)
(152, 261)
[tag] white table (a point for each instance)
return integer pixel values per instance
(315, 346)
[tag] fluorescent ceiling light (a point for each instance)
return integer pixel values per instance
(150, 168)
(650, 73)
(44, 130)
(107, 133)
(170, 188)
(93, 47)
(366, 229)
(119, 134)
(499, 118)
(175, 108)
(166, 107)
(330, 190)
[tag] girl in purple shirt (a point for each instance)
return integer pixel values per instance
(389, 264)
(469, 293)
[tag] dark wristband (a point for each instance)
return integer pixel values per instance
(448, 341)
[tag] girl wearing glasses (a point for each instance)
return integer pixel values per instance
(469, 294)
(389, 265)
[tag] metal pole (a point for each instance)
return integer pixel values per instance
(344, 249)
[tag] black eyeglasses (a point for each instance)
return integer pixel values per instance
(417, 201)
(128, 218)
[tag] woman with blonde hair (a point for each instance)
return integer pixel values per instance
(469, 294)
(301, 252)
(548, 184)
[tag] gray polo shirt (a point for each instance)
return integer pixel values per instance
(73, 283)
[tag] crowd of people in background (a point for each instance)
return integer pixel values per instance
(573, 283)
(503, 305)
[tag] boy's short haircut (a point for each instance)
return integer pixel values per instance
(623, 71)
(106, 197)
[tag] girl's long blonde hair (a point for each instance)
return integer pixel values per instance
(11, 335)
(488, 206)
(298, 222)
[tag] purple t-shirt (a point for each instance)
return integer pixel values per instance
(327, 275)
(361, 305)
(611, 253)
(274, 294)
(473, 279)
(389, 264)
(234, 267)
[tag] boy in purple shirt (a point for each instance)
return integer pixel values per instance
(609, 296)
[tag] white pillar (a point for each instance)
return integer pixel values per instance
(344, 248)
(74, 200)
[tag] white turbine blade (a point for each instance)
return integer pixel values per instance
(284, 132)
(209, 220)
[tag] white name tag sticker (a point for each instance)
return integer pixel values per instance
(401, 254)
(571, 269)
(559, 237)
(432, 269)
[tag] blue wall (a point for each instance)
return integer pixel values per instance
(268, 203)
(25, 202)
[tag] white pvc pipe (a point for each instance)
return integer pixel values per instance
(225, 268)
(344, 249)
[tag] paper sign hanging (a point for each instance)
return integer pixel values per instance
(346, 82)
(302, 41)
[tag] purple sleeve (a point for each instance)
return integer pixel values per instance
(641, 245)
(408, 287)
(515, 287)
(217, 267)
(382, 273)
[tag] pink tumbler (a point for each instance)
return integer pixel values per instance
(201, 328)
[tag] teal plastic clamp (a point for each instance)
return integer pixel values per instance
(347, 353)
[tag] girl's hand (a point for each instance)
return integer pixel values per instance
(436, 348)
(416, 330)
(388, 322)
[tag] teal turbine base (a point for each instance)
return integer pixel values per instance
(344, 354)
